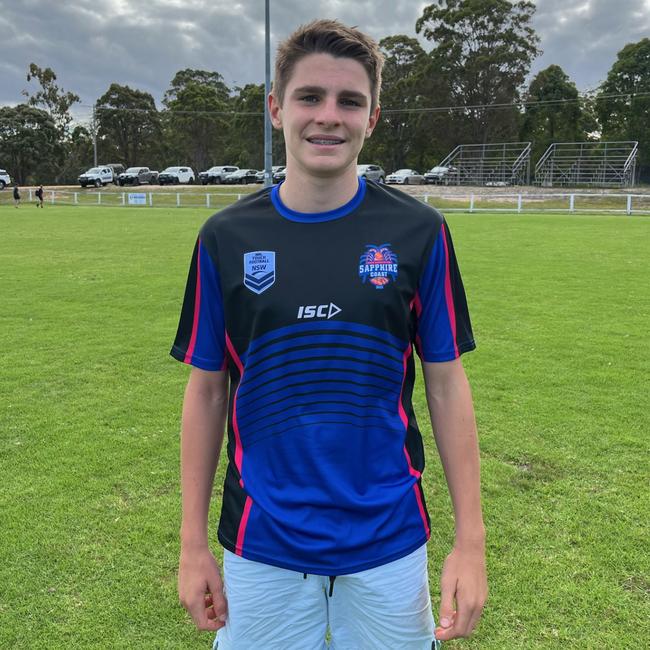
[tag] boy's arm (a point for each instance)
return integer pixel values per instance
(463, 575)
(205, 407)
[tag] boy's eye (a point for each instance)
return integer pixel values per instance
(350, 102)
(309, 99)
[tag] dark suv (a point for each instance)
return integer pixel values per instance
(138, 176)
(216, 175)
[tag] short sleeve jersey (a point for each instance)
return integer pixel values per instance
(316, 317)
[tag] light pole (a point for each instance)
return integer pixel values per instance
(268, 156)
(94, 130)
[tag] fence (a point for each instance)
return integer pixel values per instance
(576, 202)
(129, 199)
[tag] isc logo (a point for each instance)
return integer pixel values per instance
(318, 311)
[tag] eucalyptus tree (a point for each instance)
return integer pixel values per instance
(129, 127)
(407, 135)
(623, 100)
(29, 143)
(553, 111)
(483, 49)
(196, 117)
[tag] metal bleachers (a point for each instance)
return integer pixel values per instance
(574, 164)
(497, 164)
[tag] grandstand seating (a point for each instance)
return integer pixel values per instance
(587, 163)
(502, 163)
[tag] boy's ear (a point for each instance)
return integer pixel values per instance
(275, 111)
(372, 121)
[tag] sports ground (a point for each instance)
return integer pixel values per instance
(90, 407)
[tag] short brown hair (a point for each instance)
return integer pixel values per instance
(328, 37)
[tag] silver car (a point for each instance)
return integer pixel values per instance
(405, 177)
(371, 172)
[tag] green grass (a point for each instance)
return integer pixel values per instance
(90, 408)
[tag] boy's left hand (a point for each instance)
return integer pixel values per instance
(464, 580)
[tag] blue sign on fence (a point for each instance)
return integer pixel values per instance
(137, 198)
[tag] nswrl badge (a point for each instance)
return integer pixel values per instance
(259, 270)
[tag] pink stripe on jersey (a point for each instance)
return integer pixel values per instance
(400, 407)
(418, 497)
(402, 412)
(418, 304)
(412, 470)
(239, 546)
(418, 310)
(451, 310)
(239, 452)
(197, 307)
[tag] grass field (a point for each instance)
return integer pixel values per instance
(90, 407)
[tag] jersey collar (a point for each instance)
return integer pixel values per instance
(316, 217)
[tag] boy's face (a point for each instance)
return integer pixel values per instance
(325, 115)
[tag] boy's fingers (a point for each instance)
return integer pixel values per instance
(447, 593)
(461, 624)
(199, 614)
(218, 601)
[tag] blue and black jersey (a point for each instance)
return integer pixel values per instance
(316, 318)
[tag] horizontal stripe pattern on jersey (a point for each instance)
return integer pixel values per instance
(316, 321)
(317, 415)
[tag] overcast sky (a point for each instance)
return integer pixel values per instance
(92, 43)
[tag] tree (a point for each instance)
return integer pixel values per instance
(554, 113)
(245, 141)
(29, 143)
(196, 116)
(79, 152)
(483, 50)
(624, 113)
(55, 100)
(129, 128)
(405, 136)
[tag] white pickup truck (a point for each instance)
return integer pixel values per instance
(5, 179)
(100, 176)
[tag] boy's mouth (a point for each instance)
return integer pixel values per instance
(325, 140)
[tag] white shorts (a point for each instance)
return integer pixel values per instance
(385, 608)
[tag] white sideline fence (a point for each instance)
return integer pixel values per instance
(129, 199)
(520, 203)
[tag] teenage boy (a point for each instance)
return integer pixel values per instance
(309, 298)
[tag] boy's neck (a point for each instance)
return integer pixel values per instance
(310, 194)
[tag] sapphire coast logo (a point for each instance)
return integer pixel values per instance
(259, 270)
(378, 265)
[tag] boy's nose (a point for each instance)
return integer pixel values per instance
(328, 112)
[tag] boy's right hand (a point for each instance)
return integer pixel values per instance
(200, 588)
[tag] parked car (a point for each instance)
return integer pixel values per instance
(215, 175)
(405, 177)
(241, 177)
(371, 172)
(274, 170)
(117, 170)
(280, 174)
(441, 174)
(5, 179)
(176, 175)
(97, 176)
(137, 176)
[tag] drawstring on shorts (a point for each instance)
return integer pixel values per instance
(332, 579)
